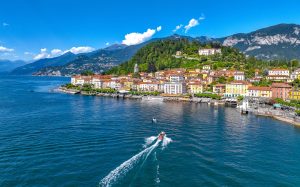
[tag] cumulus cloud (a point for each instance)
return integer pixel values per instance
(57, 52)
(43, 54)
(137, 38)
(177, 27)
(77, 50)
(193, 23)
(5, 49)
(158, 28)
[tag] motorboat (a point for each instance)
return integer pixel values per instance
(161, 136)
(154, 120)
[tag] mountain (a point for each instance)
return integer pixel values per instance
(8, 65)
(31, 68)
(115, 47)
(96, 61)
(276, 42)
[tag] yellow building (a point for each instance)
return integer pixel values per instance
(195, 87)
(294, 95)
(256, 91)
(236, 88)
(127, 85)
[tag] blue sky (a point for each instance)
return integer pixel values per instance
(35, 29)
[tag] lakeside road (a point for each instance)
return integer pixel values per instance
(278, 114)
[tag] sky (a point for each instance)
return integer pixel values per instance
(35, 29)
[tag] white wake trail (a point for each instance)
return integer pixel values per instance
(121, 170)
(149, 141)
(165, 142)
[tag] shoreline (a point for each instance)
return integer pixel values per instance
(149, 98)
(267, 112)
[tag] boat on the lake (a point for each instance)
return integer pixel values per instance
(161, 135)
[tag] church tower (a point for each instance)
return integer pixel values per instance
(136, 68)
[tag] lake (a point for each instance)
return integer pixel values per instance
(52, 139)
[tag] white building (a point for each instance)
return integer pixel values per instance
(207, 52)
(175, 88)
(206, 67)
(176, 78)
(80, 80)
(280, 72)
(176, 85)
(148, 87)
(96, 81)
(239, 76)
(295, 74)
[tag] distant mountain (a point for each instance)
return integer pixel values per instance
(115, 47)
(8, 65)
(276, 42)
(31, 68)
(97, 61)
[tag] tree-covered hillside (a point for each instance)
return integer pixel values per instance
(160, 55)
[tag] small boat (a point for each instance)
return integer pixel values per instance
(161, 135)
(154, 120)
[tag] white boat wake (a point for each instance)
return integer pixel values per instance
(126, 166)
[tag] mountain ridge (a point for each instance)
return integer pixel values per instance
(281, 41)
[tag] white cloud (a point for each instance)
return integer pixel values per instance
(177, 27)
(193, 23)
(5, 49)
(107, 43)
(42, 54)
(57, 52)
(158, 28)
(5, 24)
(137, 38)
(77, 50)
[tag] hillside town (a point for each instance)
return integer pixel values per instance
(180, 82)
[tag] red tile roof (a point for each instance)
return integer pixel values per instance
(261, 88)
(281, 85)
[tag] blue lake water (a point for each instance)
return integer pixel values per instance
(53, 139)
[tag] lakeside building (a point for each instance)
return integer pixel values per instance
(207, 52)
(174, 88)
(148, 87)
(219, 89)
(281, 90)
(236, 88)
(81, 80)
(175, 85)
(256, 91)
(181, 81)
(195, 87)
(294, 95)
